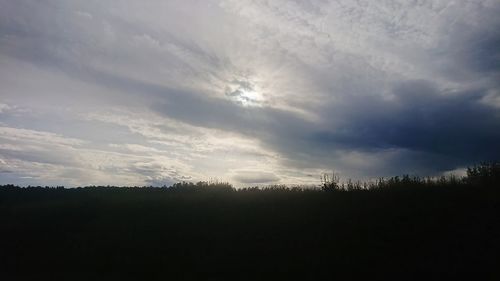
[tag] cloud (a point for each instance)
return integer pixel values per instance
(4, 108)
(132, 92)
(254, 177)
(422, 118)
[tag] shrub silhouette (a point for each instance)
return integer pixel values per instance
(330, 183)
(202, 186)
(484, 174)
(392, 228)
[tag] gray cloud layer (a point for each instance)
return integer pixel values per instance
(250, 91)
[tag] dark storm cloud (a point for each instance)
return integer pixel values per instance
(446, 129)
(419, 118)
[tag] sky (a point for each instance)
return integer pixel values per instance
(125, 92)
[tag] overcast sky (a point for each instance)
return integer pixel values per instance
(132, 92)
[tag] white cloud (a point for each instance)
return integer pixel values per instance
(4, 107)
(25, 135)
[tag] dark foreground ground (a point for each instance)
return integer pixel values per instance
(153, 234)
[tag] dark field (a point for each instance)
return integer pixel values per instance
(404, 233)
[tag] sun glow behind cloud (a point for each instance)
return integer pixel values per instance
(244, 92)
